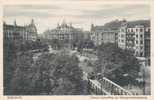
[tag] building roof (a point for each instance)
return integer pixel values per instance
(116, 24)
(113, 25)
(63, 28)
(30, 28)
(12, 26)
(132, 24)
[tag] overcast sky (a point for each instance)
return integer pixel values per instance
(81, 15)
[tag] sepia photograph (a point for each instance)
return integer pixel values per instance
(76, 49)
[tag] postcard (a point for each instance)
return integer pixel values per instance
(83, 49)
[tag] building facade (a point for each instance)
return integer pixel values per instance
(65, 33)
(135, 36)
(100, 35)
(23, 33)
(109, 36)
(122, 37)
(95, 35)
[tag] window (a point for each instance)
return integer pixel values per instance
(141, 42)
(136, 35)
(136, 42)
(132, 30)
(141, 36)
(147, 29)
(122, 30)
(136, 53)
(141, 30)
(122, 35)
(141, 54)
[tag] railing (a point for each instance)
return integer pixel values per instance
(96, 88)
(105, 87)
(113, 88)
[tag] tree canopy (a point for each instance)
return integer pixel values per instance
(55, 74)
(121, 66)
(63, 73)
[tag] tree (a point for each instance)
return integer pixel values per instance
(88, 44)
(14, 61)
(63, 74)
(121, 66)
(57, 74)
(21, 83)
(9, 55)
(55, 43)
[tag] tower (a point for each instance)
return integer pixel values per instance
(4, 23)
(58, 25)
(92, 27)
(32, 22)
(70, 24)
(63, 22)
(15, 24)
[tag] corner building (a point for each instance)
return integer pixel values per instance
(20, 33)
(135, 36)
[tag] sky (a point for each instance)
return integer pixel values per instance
(81, 15)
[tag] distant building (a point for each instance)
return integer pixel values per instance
(109, 36)
(23, 33)
(96, 35)
(107, 33)
(86, 35)
(135, 36)
(61, 32)
(64, 32)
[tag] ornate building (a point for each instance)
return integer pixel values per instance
(65, 33)
(61, 32)
(23, 33)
